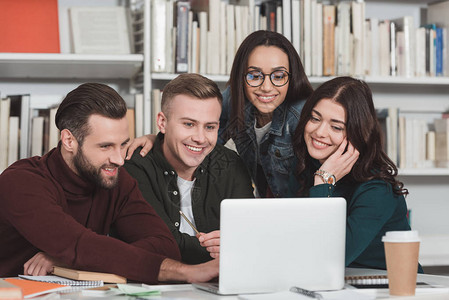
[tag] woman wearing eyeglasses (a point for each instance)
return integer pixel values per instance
(261, 108)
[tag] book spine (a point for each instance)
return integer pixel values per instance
(158, 34)
(329, 40)
(182, 34)
(13, 140)
(439, 52)
(393, 63)
(203, 41)
(287, 12)
(4, 131)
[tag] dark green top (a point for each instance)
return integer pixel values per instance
(221, 175)
(372, 209)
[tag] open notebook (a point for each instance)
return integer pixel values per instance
(74, 277)
(63, 280)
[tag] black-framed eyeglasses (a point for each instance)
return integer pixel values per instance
(256, 78)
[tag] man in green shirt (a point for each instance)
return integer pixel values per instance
(187, 171)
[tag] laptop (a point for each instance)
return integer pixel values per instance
(270, 245)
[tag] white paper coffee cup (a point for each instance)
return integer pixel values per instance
(401, 256)
(405, 236)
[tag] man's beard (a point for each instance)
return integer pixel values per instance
(89, 172)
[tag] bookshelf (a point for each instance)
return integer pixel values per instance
(47, 65)
(43, 74)
(424, 172)
(428, 186)
(48, 77)
(57, 73)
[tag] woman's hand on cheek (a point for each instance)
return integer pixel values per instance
(340, 162)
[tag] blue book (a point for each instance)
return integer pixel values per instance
(439, 52)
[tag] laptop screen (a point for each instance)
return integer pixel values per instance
(272, 244)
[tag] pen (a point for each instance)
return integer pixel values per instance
(188, 221)
(305, 292)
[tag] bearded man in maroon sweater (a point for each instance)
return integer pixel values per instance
(58, 209)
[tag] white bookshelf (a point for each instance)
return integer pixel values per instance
(50, 76)
(428, 188)
(391, 80)
(49, 65)
(59, 73)
(170, 76)
(424, 172)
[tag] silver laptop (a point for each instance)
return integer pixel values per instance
(270, 245)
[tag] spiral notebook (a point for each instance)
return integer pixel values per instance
(367, 281)
(63, 281)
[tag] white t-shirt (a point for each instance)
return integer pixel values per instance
(260, 132)
(185, 189)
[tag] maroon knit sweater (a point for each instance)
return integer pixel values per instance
(45, 206)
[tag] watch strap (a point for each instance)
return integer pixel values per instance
(326, 176)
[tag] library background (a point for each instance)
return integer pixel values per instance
(137, 46)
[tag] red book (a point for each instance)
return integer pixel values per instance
(29, 26)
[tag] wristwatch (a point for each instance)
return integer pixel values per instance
(327, 177)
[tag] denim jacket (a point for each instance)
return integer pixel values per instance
(275, 153)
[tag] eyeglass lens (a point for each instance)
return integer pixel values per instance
(256, 78)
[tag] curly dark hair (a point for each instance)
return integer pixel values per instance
(363, 131)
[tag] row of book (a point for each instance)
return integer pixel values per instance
(338, 40)
(413, 140)
(22, 128)
(416, 140)
(27, 125)
(332, 39)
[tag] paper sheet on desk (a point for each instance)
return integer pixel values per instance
(168, 287)
(287, 295)
(137, 291)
